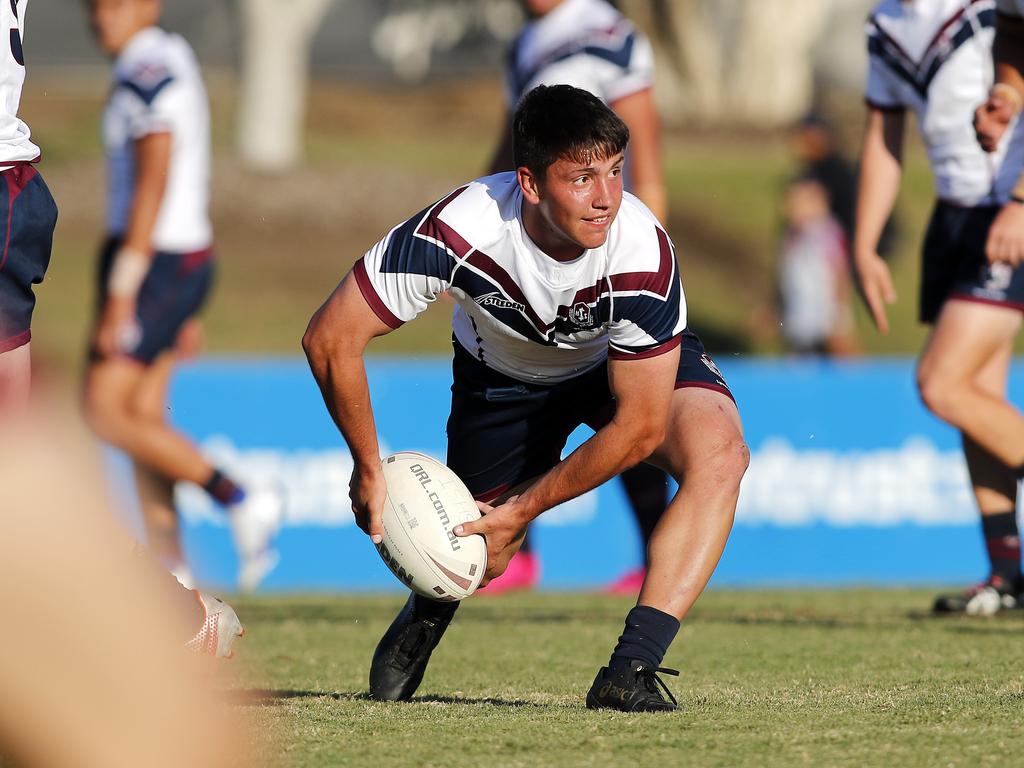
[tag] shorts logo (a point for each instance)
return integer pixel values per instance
(997, 276)
(711, 366)
(498, 301)
(581, 315)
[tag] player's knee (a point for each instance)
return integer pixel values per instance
(937, 392)
(730, 460)
(106, 416)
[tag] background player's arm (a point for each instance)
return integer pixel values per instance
(334, 344)
(881, 170)
(152, 162)
(1007, 95)
(643, 394)
(638, 112)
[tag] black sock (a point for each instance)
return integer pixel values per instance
(223, 489)
(647, 636)
(647, 489)
(440, 610)
(1002, 540)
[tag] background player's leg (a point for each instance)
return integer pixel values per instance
(156, 491)
(15, 378)
(647, 490)
(966, 337)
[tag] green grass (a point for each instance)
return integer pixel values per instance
(789, 678)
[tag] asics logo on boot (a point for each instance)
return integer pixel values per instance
(613, 691)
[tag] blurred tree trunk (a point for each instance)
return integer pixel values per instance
(275, 72)
(738, 62)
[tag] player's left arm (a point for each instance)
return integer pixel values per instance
(638, 112)
(642, 389)
(132, 261)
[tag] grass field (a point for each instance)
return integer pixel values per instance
(782, 678)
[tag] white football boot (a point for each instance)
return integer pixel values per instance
(254, 522)
(219, 630)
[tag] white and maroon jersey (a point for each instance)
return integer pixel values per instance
(935, 57)
(518, 310)
(584, 43)
(158, 88)
(15, 143)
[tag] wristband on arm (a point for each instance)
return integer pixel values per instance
(127, 273)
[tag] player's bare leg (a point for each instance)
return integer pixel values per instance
(705, 452)
(111, 389)
(156, 491)
(15, 378)
(966, 337)
(995, 490)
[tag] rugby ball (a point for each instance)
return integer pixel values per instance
(425, 501)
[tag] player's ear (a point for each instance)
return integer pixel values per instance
(529, 184)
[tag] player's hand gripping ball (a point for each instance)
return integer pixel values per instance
(425, 501)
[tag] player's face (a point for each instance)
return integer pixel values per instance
(115, 22)
(537, 8)
(574, 204)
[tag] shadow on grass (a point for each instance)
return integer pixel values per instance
(268, 697)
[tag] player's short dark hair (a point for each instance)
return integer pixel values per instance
(554, 121)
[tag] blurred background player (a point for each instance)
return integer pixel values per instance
(30, 213)
(154, 274)
(935, 57)
(1003, 106)
(815, 311)
(590, 45)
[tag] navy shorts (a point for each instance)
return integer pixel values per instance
(954, 263)
(502, 432)
(30, 215)
(174, 290)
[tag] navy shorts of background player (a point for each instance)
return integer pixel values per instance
(503, 432)
(954, 264)
(28, 216)
(174, 290)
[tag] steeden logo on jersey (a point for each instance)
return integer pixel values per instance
(498, 301)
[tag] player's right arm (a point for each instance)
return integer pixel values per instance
(1006, 97)
(334, 343)
(881, 169)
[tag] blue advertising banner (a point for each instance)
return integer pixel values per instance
(851, 480)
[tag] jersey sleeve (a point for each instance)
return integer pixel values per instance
(407, 270)
(648, 308)
(637, 70)
(884, 61)
(157, 99)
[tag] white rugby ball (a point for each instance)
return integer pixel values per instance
(425, 501)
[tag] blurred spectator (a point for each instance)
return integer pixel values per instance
(816, 314)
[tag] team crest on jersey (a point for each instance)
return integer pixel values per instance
(498, 301)
(581, 315)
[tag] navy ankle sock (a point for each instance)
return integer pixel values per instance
(647, 636)
(1002, 540)
(223, 489)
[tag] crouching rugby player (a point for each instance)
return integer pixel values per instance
(569, 311)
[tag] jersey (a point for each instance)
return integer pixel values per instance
(157, 88)
(935, 57)
(15, 143)
(584, 43)
(518, 310)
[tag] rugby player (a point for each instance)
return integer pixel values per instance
(30, 213)
(155, 270)
(935, 57)
(590, 45)
(1006, 98)
(569, 310)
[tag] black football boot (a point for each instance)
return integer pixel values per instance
(631, 688)
(402, 654)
